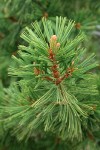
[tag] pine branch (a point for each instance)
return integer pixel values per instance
(50, 66)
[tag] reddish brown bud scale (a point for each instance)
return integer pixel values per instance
(51, 57)
(67, 75)
(56, 74)
(36, 71)
(48, 78)
(77, 25)
(55, 71)
(54, 66)
(58, 81)
(50, 51)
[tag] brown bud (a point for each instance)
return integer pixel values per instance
(58, 81)
(45, 15)
(78, 25)
(36, 71)
(56, 74)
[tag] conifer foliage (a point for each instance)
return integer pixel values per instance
(50, 65)
(49, 75)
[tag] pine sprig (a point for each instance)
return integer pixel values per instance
(51, 65)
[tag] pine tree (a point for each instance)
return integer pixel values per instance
(51, 100)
